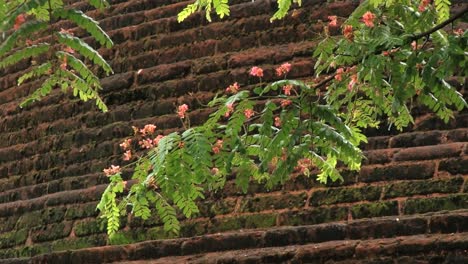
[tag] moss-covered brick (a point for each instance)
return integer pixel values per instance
(88, 227)
(81, 211)
(241, 222)
(36, 249)
(31, 219)
(314, 216)
(423, 205)
(127, 237)
(260, 220)
(455, 165)
(51, 232)
(408, 188)
(345, 195)
(192, 228)
(261, 203)
(212, 208)
(375, 209)
(8, 223)
(54, 214)
(13, 238)
(412, 171)
(79, 242)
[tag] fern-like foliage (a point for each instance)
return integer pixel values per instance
(32, 20)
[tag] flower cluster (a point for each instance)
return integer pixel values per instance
(230, 110)
(368, 19)
(112, 170)
(256, 71)
(348, 32)
(333, 21)
(303, 165)
(181, 110)
(287, 89)
(248, 113)
(217, 147)
(283, 69)
(233, 88)
(423, 5)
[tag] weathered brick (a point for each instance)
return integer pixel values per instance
(455, 165)
(449, 223)
(420, 170)
(416, 139)
(423, 205)
(409, 188)
(13, 238)
(313, 216)
(51, 232)
(430, 152)
(374, 209)
(273, 202)
(345, 195)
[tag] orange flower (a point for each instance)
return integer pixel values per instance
(285, 102)
(146, 143)
(112, 170)
(19, 20)
(352, 82)
(181, 110)
(230, 109)
(248, 113)
(287, 89)
(333, 21)
(348, 32)
(127, 155)
(414, 45)
(217, 147)
(423, 5)
(126, 144)
(338, 75)
(256, 71)
(148, 129)
(157, 139)
(233, 88)
(277, 121)
(283, 69)
(368, 19)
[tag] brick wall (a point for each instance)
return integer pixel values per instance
(52, 153)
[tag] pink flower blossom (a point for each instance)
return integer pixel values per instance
(285, 102)
(214, 171)
(333, 21)
(414, 45)
(112, 170)
(283, 69)
(217, 147)
(287, 89)
(148, 129)
(338, 75)
(348, 32)
(230, 109)
(303, 165)
(248, 113)
(181, 110)
(422, 6)
(458, 32)
(146, 143)
(127, 155)
(256, 71)
(19, 20)
(233, 88)
(126, 144)
(352, 82)
(157, 139)
(368, 19)
(277, 121)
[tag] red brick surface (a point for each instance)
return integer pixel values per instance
(52, 153)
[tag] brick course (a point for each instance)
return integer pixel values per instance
(52, 153)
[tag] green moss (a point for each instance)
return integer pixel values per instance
(403, 189)
(79, 242)
(81, 211)
(128, 237)
(260, 220)
(375, 209)
(13, 238)
(30, 220)
(314, 216)
(451, 202)
(262, 203)
(345, 195)
(87, 227)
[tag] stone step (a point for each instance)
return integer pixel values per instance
(438, 232)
